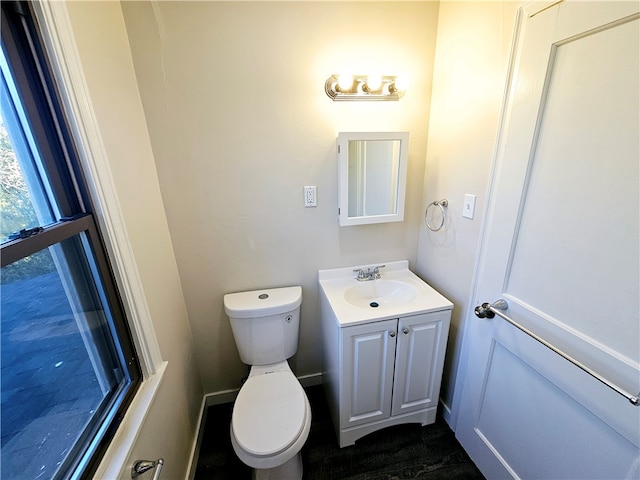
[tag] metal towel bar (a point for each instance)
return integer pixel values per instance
(487, 310)
(142, 466)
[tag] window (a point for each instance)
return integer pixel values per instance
(68, 365)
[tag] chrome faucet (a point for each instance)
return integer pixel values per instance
(368, 274)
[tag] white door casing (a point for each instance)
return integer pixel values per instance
(561, 246)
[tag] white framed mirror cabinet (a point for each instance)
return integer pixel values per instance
(372, 177)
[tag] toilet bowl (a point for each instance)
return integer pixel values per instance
(271, 415)
(270, 422)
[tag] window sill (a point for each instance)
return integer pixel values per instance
(113, 463)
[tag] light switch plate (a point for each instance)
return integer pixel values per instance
(469, 206)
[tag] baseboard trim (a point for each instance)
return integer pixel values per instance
(224, 396)
(227, 396)
(310, 380)
(445, 411)
(195, 450)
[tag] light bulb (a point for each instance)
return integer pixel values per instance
(401, 83)
(374, 82)
(345, 82)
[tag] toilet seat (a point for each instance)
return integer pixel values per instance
(269, 414)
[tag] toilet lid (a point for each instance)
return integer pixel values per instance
(269, 413)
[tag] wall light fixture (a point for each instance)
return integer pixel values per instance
(364, 87)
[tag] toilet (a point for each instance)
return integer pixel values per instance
(271, 415)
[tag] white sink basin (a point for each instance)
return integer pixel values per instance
(379, 293)
(398, 293)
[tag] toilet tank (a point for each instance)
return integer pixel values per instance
(265, 323)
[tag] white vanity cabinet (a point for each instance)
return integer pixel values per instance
(383, 353)
(389, 369)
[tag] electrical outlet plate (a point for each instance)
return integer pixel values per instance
(310, 196)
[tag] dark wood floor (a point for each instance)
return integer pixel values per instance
(396, 453)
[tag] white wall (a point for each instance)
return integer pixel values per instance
(472, 53)
(172, 421)
(239, 122)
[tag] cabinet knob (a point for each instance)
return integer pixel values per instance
(392, 334)
(405, 330)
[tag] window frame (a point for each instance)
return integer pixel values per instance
(99, 218)
(59, 43)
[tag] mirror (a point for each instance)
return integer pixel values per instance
(372, 171)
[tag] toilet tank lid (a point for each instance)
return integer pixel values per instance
(262, 303)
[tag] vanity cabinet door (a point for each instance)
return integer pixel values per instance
(419, 360)
(368, 356)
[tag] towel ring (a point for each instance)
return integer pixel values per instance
(438, 203)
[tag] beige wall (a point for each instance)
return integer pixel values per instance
(239, 122)
(171, 424)
(472, 54)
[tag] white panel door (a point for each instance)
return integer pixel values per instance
(561, 246)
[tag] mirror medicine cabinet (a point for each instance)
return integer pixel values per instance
(372, 175)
